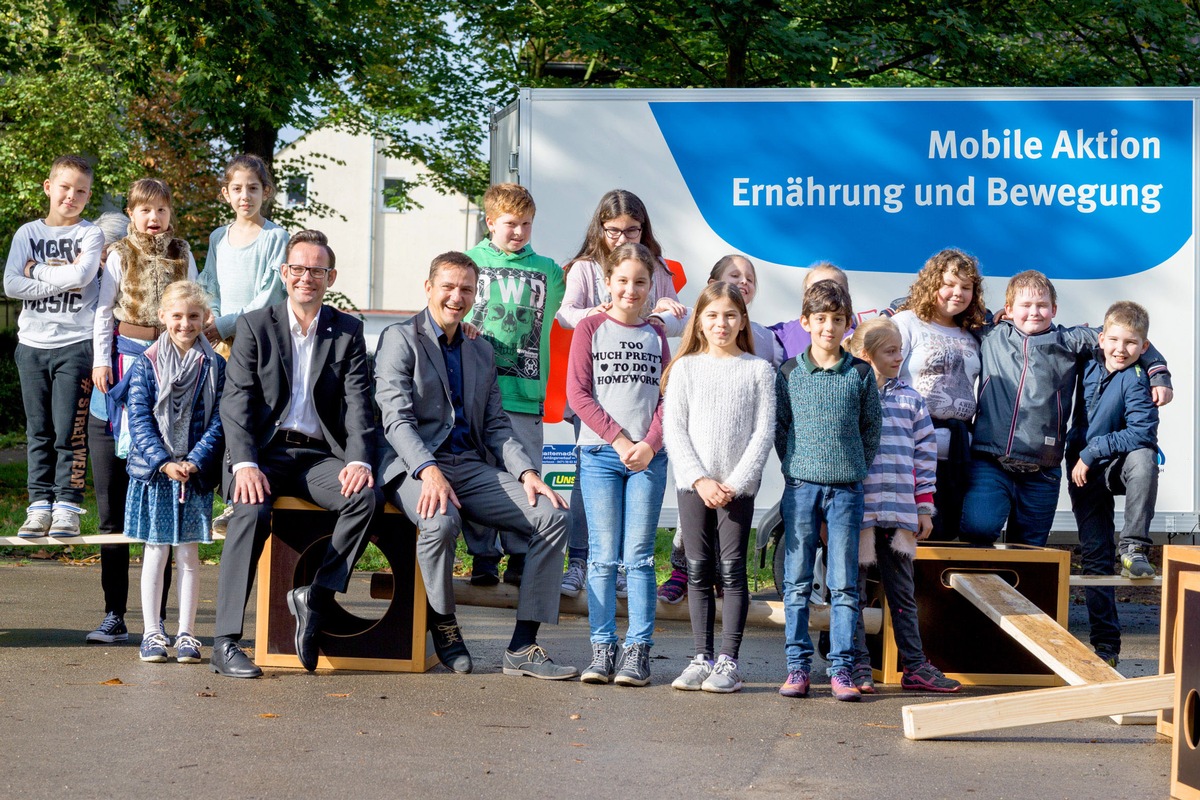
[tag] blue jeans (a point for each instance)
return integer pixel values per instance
(622, 511)
(1025, 500)
(805, 506)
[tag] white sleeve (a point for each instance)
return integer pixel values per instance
(102, 326)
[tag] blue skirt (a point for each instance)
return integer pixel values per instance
(154, 514)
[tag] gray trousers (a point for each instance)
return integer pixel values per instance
(481, 541)
(56, 385)
(491, 497)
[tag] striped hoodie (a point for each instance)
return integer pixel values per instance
(903, 474)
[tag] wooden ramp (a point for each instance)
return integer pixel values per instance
(1037, 706)
(1051, 644)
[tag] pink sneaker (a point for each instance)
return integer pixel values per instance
(674, 589)
(844, 688)
(796, 684)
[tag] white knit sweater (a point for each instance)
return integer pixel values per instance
(719, 420)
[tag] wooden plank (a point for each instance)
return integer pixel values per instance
(67, 541)
(1016, 709)
(1114, 580)
(1048, 641)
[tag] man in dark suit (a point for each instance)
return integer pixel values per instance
(451, 453)
(298, 420)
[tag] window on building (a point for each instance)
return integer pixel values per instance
(296, 191)
(395, 196)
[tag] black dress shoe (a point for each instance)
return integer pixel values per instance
(308, 625)
(449, 646)
(485, 571)
(229, 660)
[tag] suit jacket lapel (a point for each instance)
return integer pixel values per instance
(321, 346)
(283, 343)
(433, 348)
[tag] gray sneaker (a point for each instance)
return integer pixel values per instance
(64, 520)
(37, 521)
(575, 578)
(694, 674)
(635, 666)
(622, 584)
(604, 664)
(1134, 564)
(534, 662)
(725, 677)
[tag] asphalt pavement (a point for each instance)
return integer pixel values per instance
(86, 721)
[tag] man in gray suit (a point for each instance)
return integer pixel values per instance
(450, 453)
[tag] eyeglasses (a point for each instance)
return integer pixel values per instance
(298, 270)
(629, 233)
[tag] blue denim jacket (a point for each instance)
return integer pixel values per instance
(147, 454)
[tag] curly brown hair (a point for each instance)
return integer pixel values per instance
(922, 295)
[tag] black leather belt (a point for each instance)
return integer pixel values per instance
(297, 439)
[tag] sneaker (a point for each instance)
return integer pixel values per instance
(635, 666)
(111, 629)
(154, 648)
(1134, 564)
(796, 684)
(64, 520)
(485, 571)
(843, 688)
(622, 585)
(187, 649)
(575, 578)
(604, 663)
(534, 662)
(862, 678)
(928, 678)
(725, 677)
(694, 674)
(221, 523)
(673, 589)
(1112, 659)
(37, 521)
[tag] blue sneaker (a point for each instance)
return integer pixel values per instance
(187, 649)
(112, 629)
(154, 648)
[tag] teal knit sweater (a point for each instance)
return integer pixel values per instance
(828, 420)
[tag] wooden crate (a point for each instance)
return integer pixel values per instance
(396, 642)
(957, 637)
(1185, 750)
(1177, 560)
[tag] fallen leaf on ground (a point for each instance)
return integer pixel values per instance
(796, 735)
(112, 682)
(268, 716)
(339, 694)
(438, 713)
(206, 694)
(578, 744)
(575, 716)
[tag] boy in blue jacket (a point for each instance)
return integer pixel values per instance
(1112, 448)
(1030, 369)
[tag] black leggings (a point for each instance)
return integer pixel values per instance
(112, 482)
(714, 543)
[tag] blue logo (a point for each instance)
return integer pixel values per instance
(1077, 189)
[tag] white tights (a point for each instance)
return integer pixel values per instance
(154, 566)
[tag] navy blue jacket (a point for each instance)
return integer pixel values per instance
(1116, 413)
(147, 453)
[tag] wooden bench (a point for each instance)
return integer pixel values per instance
(396, 642)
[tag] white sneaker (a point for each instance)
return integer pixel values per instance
(37, 521)
(64, 520)
(694, 674)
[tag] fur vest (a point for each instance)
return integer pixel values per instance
(148, 264)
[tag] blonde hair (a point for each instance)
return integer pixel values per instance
(871, 335)
(508, 198)
(188, 292)
(1030, 280)
(1128, 315)
(693, 336)
(829, 267)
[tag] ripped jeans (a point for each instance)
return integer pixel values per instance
(622, 511)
